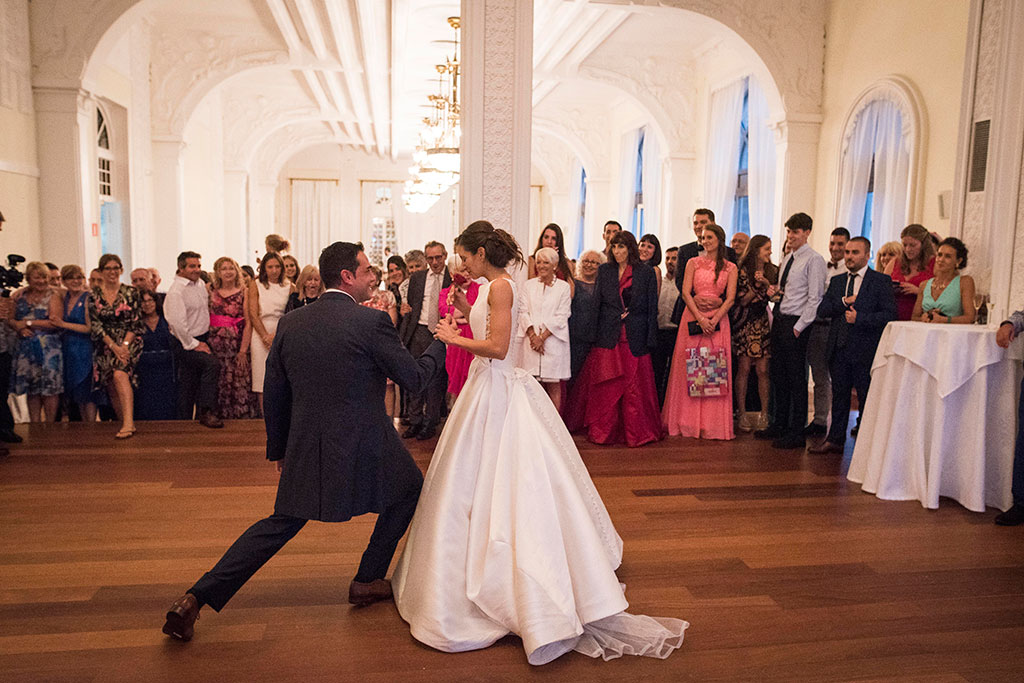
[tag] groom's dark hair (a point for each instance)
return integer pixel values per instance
(336, 258)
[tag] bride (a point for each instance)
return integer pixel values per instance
(510, 534)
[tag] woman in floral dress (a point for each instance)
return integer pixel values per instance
(38, 368)
(230, 335)
(117, 328)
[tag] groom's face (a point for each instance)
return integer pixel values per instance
(363, 280)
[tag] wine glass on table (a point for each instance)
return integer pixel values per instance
(979, 301)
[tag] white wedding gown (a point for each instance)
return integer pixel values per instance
(510, 534)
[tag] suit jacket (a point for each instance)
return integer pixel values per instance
(642, 321)
(323, 404)
(876, 308)
(687, 252)
(417, 285)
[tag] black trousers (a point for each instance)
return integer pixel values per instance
(6, 418)
(788, 371)
(847, 374)
(264, 538)
(198, 373)
(425, 408)
(661, 359)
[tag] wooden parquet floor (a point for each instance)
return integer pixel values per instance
(786, 571)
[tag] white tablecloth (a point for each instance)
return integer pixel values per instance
(941, 416)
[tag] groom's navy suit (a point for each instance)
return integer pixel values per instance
(851, 347)
(323, 403)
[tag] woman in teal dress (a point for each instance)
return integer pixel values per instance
(948, 297)
(38, 368)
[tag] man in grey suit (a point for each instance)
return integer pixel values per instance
(335, 447)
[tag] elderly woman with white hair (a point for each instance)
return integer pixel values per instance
(544, 325)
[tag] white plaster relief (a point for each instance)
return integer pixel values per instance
(585, 127)
(988, 60)
(555, 160)
(498, 109)
(15, 64)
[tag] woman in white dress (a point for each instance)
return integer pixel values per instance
(510, 534)
(544, 325)
(268, 297)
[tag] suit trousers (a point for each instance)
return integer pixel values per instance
(1018, 453)
(848, 373)
(6, 418)
(789, 375)
(661, 359)
(425, 408)
(198, 373)
(817, 359)
(264, 538)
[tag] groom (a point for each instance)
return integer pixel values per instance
(336, 449)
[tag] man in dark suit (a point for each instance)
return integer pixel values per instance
(336, 449)
(701, 218)
(860, 303)
(419, 318)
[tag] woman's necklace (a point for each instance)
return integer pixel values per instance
(938, 288)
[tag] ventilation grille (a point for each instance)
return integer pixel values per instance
(979, 156)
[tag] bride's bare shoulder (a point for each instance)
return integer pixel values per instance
(500, 291)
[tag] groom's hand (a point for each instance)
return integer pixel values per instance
(279, 465)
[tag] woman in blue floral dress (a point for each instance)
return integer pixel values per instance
(38, 368)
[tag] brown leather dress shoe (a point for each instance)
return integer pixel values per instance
(361, 594)
(181, 618)
(826, 447)
(210, 419)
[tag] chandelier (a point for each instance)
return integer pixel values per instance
(436, 159)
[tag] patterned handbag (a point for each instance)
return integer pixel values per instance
(707, 371)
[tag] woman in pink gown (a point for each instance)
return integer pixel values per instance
(709, 289)
(457, 360)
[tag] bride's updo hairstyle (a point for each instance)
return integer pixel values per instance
(500, 247)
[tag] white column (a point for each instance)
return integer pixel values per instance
(598, 211)
(680, 201)
(796, 173)
(262, 221)
(62, 125)
(497, 110)
(236, 226)
(168, 202)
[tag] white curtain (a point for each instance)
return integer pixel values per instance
(723, 152)
(627, 178)
(314, 212)
(572, 230)
(652, 185)
(760, 162)
(877, 131)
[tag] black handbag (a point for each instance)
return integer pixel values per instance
(694, 328)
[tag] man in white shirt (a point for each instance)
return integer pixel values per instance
(187, 309)
(802, 285)
(817, 355)
(661, 356)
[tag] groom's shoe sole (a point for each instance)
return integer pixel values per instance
(362, 594)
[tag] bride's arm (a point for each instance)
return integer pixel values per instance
(499, 299)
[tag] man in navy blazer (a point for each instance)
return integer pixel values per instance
(701, 217)
(336, 449)
(860, 304)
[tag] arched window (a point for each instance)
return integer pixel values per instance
(878, 161)
(104, 158)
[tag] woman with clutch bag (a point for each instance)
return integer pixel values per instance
(698, 402)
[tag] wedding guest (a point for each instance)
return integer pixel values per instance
(1008, 331)
(8, 344)
(701, 218)
(38, 369)
(609, 230)
(187, 309)
(457, 360)
(817, 342)
(551, 238)
(291, 268)
(544, 324)
(751, 328)
(156, 397)
(308, 288)
(229, 340)
(398, 273)
(947, 297)
(384, 300)
(142, 280)
(703, 326)
(802, 285)
(248, 275)
(268, 296)
(54, 278)
(116, 325)
(415, 261)
(77, 343)
(650, 254)
(886, 253)
(583, 317)
(912, 268)
(156, 280)
(277, 244)
(614, 398)
(95, 279)
(739, 243)
(860, 303)
(668, 294)
(417, 333)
